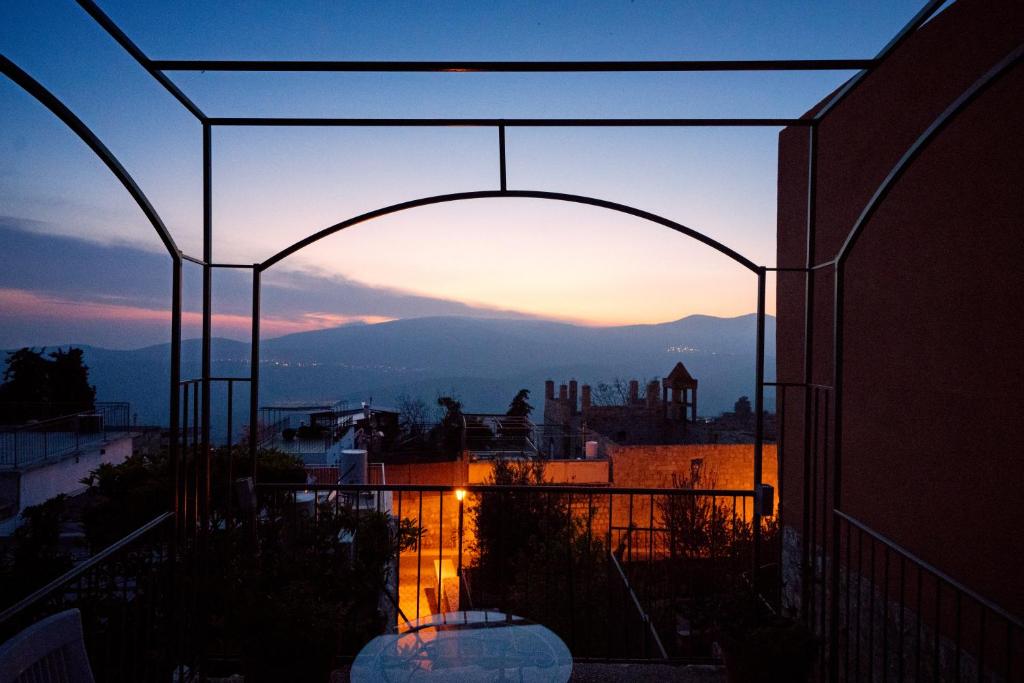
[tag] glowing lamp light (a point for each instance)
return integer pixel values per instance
(460, 494)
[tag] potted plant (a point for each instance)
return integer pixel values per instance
(760, 646)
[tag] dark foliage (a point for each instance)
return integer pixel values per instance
(33, 558)
(520, 406)
(37, 385)
(536, 559)
(304, 591)
(449, 431)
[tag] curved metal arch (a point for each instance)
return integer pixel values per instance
(68, 117)
(922, 142)
(522, 194)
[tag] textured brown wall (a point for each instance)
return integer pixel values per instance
(732, 465)
(934, 317)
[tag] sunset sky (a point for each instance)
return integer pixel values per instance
(80, 264)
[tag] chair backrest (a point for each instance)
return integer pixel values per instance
(245, 491)
(50, 650)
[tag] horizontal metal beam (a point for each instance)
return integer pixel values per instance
(514, 66)
(918, 20)
(509, 123)
(194, 259)
(538, 489)
(131, 48)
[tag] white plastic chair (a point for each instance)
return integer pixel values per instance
(50, 650)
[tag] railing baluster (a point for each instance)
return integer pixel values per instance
(440, 549)
(398, 552)
(916, 664)
(938, 629)
(885, 617)
(871, 617)
(899, 651)
(846, 619)
(981, 643)
(958, 624)
(419, 556)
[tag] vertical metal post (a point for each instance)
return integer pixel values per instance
(805, 542)
(204, 450)
(501, 157)
(458, 568)
(174, 417)
(229, 441)
(203, 459)
(254, 369)
(837, 461)
(759, 424)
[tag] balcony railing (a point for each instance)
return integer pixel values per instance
(612, 571)
(125, 596)
(37, 442)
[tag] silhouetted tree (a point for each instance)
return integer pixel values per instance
(527, 542)
(451, 424)
(412, 413)
(37, 385)
(33, 557)
(614, 394)
(742, 407)
(520, 406)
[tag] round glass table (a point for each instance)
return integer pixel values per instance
(466, 646)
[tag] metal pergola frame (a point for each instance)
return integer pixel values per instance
(159, 69)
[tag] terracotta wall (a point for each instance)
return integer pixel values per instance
(730, 465)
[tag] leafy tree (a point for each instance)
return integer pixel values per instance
(304, 590)
(528, 544)
(742, 407)
(69, 380)
(125, 496)
(450, 429)
(37, 385)
(34, 557)
(520, 406)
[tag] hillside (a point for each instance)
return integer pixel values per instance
(482, 361)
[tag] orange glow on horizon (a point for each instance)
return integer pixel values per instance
(26, 304)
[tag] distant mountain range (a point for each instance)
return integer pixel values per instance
(483, 362)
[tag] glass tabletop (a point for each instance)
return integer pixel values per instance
(466, 646)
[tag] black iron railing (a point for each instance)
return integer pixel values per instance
(58, 437)
(125, 596)
(900, 618)
(587, 562)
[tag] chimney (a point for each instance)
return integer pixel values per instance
(549, 390)
(634, 391)
(573, 394)
(563, 392)
(585, 398)
(653, 394)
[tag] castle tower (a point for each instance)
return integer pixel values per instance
(683, 389)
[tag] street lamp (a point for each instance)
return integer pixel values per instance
(460, 495)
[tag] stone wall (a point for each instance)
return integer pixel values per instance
(729, 466)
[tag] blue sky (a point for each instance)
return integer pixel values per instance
(273, 186)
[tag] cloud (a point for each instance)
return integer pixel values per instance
(62, 289)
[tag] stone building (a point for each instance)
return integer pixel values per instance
(665, 414)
